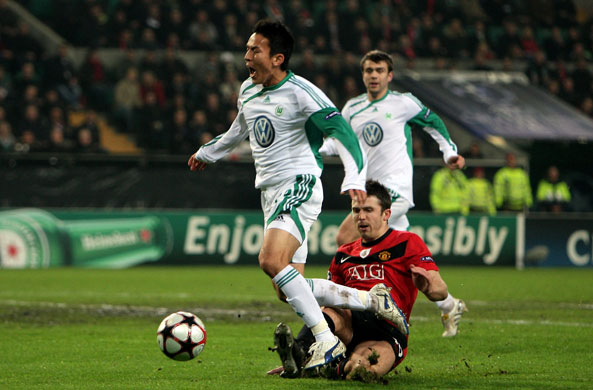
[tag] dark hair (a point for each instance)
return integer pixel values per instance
(281, 40)
(377, 56)
(377, 189)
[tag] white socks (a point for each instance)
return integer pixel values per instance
(332, 294)
(447, 304)
(300, 297)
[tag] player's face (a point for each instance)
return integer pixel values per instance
(260, 64)
(376, 78)
(370, 221)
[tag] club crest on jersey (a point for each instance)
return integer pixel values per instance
(279, 110)
(372, 134)
(384, 256)
(263, 131)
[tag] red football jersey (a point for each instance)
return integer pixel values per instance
(386, 260)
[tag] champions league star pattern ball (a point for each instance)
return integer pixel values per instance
(181, 336)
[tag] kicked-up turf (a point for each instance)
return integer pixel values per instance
(96, 329)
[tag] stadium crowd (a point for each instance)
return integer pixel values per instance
(167, 106)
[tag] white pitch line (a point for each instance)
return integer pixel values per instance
(265, 314)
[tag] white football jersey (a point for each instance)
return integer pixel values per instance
(286, 124)
(384, 129)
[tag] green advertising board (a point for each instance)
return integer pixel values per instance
(33, 238)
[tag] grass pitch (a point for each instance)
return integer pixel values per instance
(96, 329)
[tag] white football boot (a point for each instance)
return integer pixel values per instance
(451, 319)
(387, 309)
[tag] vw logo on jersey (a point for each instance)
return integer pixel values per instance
(263, 131)
(372, 134)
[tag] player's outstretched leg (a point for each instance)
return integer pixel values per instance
(451, 318)
(386, 308)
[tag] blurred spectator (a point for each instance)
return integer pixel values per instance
(151, 132)
(512, 189)
(583, 80)
(151, 85)
(57, 141)
(174, 26)
(7, 138)
(71, 93)
(32, 122)
(171, 65)
(180, 138)
(91, 123)
(509, 41)
(198, 129)
(27, 76)
(215, 114)
(127, 99)
(537, 71)
(24, 47)
(203, 31)
(85, 142)
(5, 84)
(474, 151)
(552, 194)
(456, 40)
(587, 106)
(528, 43)
(59, 69)
(448, 192)
(93, 79)
(149, 63)
(480, 193)
(555, 46)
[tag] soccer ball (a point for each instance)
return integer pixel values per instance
(181, 336)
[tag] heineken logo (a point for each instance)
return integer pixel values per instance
(99, 241)
(13, 249)
(372, 134)
(23, 243)
(263, 131)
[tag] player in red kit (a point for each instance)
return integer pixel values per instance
(373, 284)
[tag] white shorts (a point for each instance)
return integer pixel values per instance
(398, 219)
(293, 206)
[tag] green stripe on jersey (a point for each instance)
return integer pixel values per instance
(310, 92)
(369, 105)
(330, 122)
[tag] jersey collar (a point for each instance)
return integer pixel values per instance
(378, 240)
(289, 74)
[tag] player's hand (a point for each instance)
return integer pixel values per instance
(456, 162)
(358, 195)
(420, 277)
(194, 164)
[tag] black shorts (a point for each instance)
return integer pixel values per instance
(367, 327)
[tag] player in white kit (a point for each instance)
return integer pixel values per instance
(382, 120)
(286, 118)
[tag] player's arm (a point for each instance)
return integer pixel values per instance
(220, 146)
(429, 282)
(425, 273)
(329, 122)
(435, 127)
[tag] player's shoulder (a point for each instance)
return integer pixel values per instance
(247, 88)
(405, 97)
(348, 250)
(356, 101)
(398, 236)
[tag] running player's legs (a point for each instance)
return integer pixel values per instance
(291, 208)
